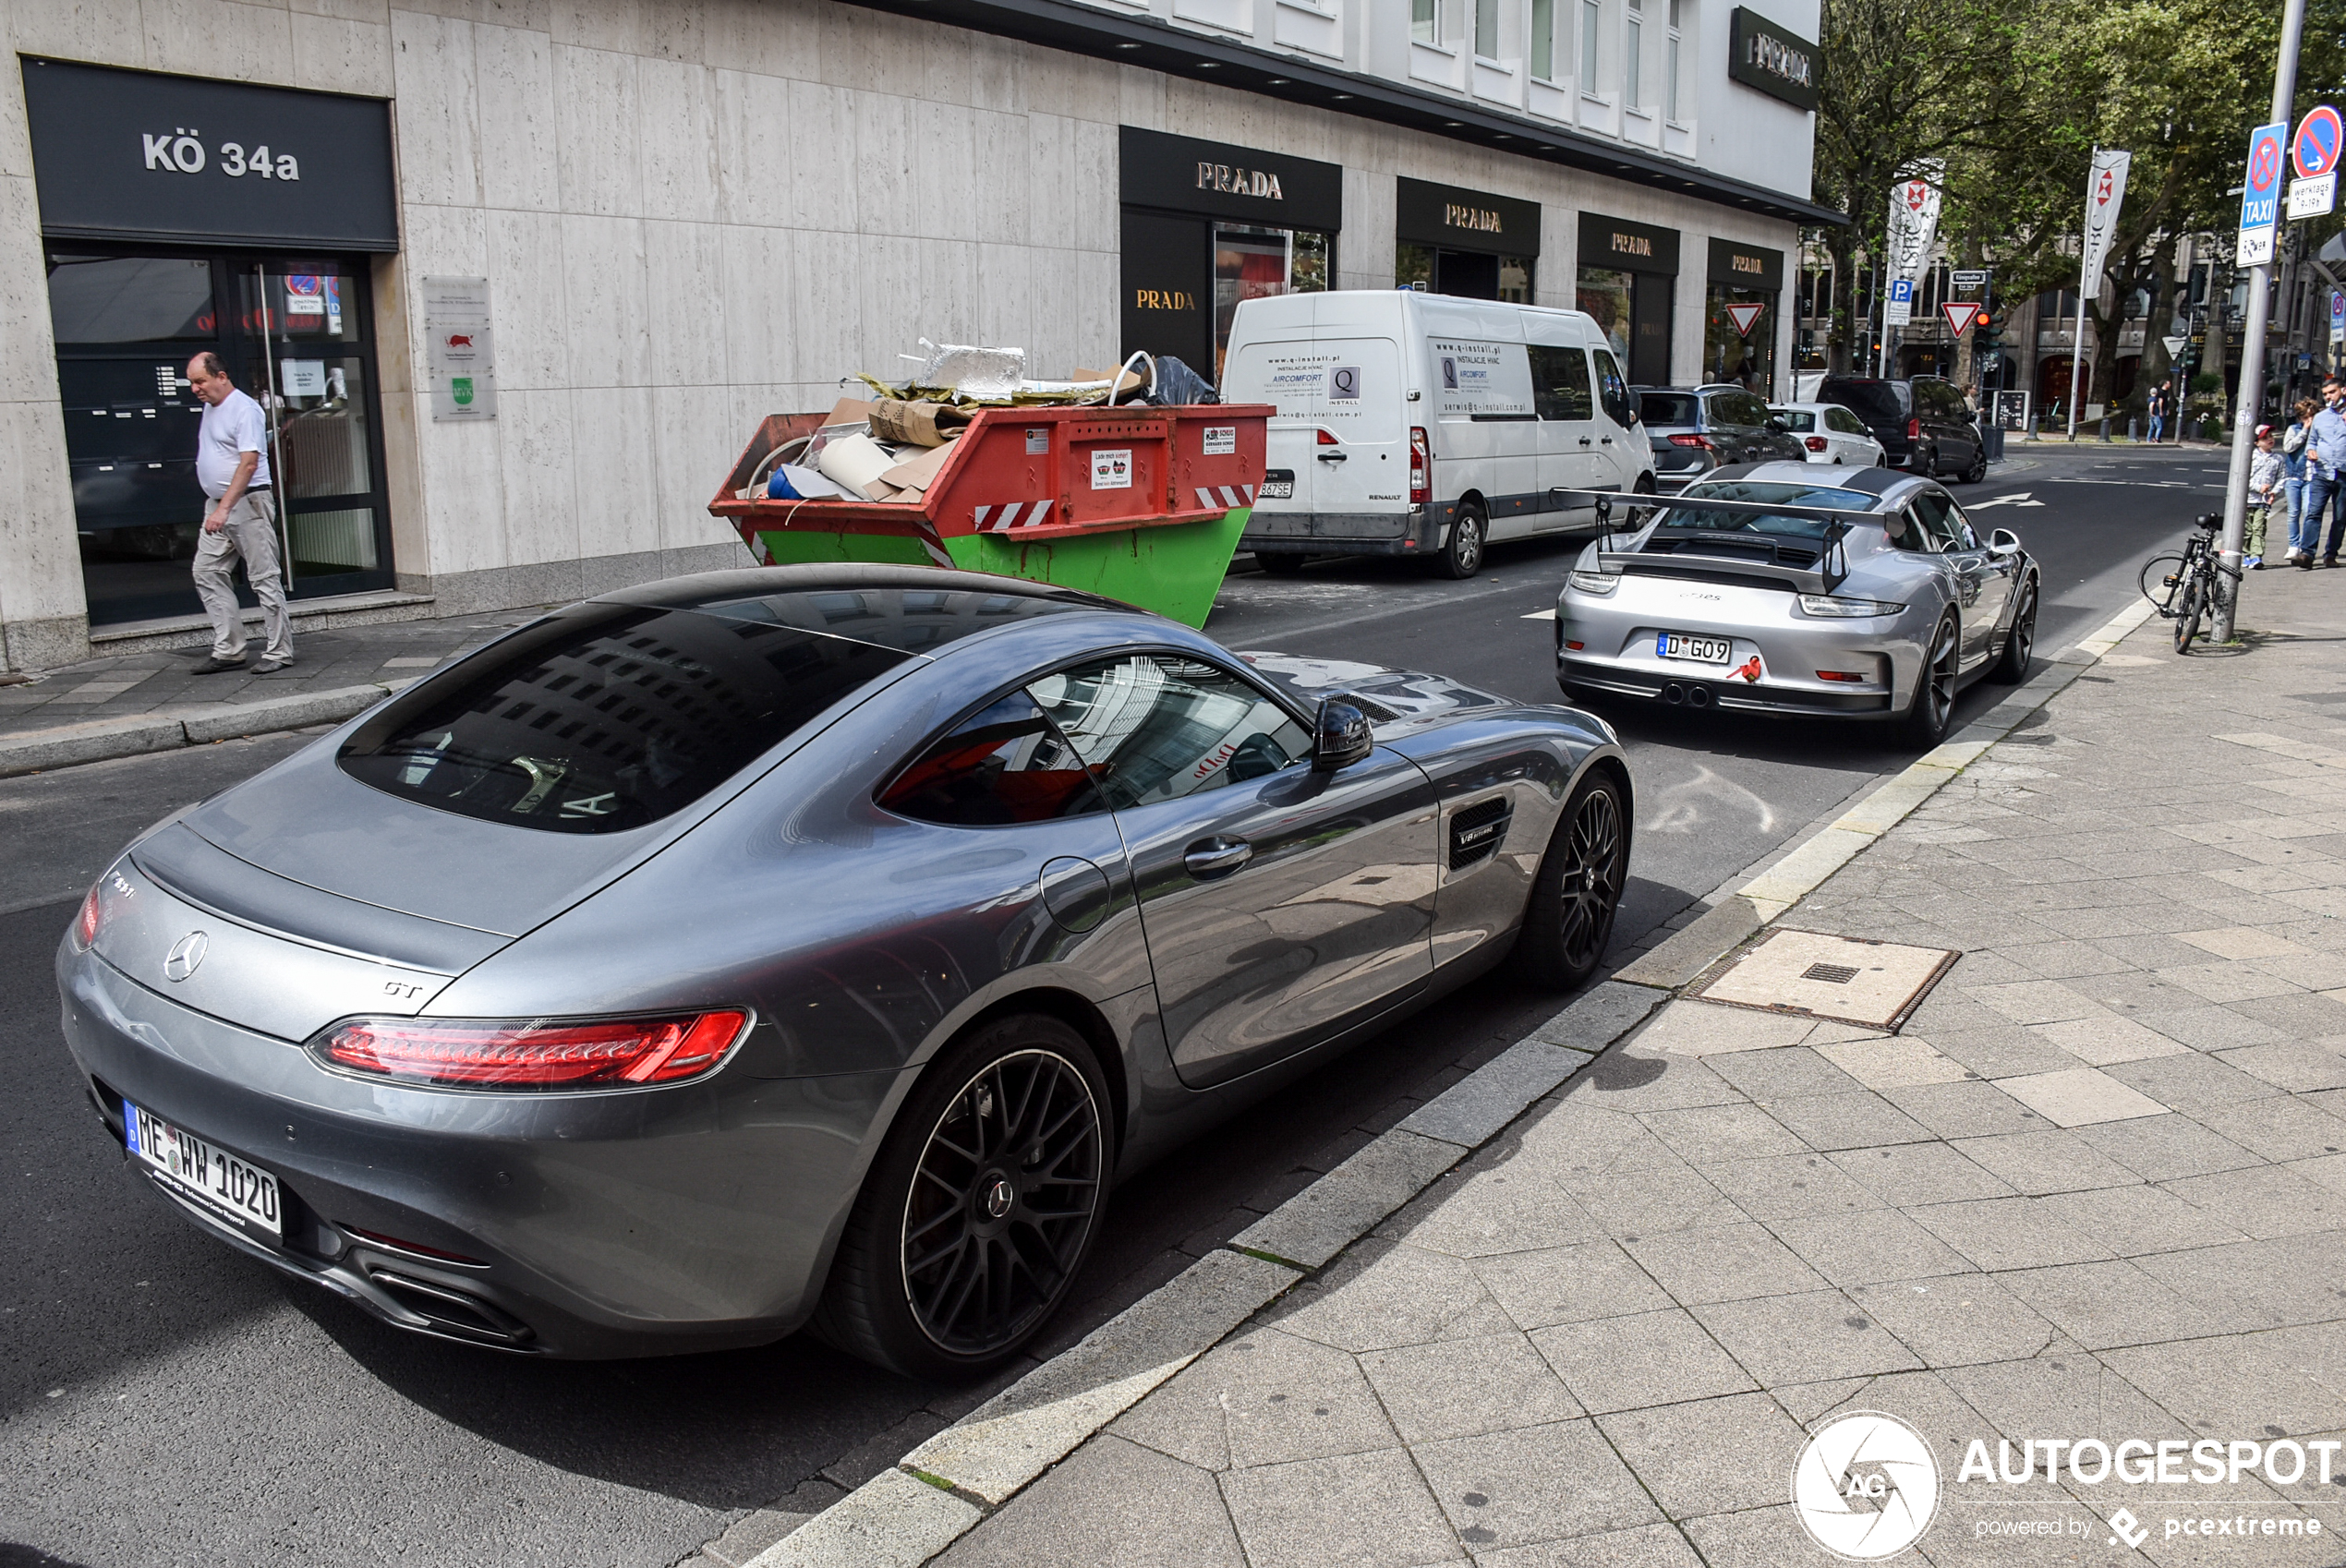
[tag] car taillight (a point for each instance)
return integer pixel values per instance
(1702, 441)
(1914, 429)
(1815, 443)
(531, 1054)
(104, 899)
(1840, 675)
(1420, 467)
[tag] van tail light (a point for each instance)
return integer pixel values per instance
(1420, 467)
(1815, 443)
(1703, 441)
(1327, 438)
(1914, 429)
(534, 1054)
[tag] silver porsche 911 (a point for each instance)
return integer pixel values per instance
(808, 945)
(1776, 588)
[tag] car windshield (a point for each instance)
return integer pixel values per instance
(1668, 408)
(1691, 514)
(605, 716)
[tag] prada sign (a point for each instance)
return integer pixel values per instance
(1744, 265)
(1180, 173)
(1465, 220)
(1625, 246)
(1761, 55)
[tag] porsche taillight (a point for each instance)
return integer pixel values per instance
(1420, 467)
(532, 1053)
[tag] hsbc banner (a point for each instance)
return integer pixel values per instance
(1913, 220)
(2105, 193)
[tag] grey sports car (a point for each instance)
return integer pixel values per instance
(1774, 587)
(808, 945)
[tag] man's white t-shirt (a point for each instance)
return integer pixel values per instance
(231, 428)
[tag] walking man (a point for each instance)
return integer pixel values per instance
(2324, 465)
(2156, 408)
(231, 465)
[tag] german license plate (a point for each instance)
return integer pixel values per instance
(222, 1183)
(1685, 644)
(1279, 484)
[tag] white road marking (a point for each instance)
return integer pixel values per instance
(1547, 614)
(2018, 497)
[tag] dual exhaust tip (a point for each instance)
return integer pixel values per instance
(1692, 696)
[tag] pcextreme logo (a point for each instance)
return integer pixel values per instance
(1865, 1486)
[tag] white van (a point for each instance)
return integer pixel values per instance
(1415, 424)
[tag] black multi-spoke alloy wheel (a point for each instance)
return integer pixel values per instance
(1578, 891)
(1462, 556)
(1978, 469)
(1926, 720)
(2187, 613)
(2019, 643)
(981, 1207)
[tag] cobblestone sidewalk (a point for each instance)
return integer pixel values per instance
(2094, 1189)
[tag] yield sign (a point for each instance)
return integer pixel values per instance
(1960, 314)
(1743, 316)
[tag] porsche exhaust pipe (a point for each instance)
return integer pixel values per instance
(1698, 696)
(1673, 692)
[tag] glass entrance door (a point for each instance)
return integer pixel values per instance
(294, 333)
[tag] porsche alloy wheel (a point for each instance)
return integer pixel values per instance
(1934, 704)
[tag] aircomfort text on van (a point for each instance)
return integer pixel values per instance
(1411, 424)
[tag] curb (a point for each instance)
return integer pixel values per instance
(104, 738)
(950, 1484)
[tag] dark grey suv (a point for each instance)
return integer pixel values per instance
(1924, 424)
(1696, 429)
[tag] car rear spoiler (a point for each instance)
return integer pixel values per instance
(1740, 563)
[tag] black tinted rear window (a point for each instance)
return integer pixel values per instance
(1668, 408)
(603, 718)
(1876, 403)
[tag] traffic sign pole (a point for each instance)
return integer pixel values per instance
(2251, 399)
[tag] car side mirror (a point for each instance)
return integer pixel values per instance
(1777, 423)
(1341, 736)
(2003, 541)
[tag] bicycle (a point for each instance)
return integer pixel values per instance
(2189, 580)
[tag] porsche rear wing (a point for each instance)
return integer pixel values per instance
(1713, 556)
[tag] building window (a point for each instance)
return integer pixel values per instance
(1425, 21)
(1632, 60)
(1252, 262)
(1592, 30)
(1670, 67)
(1544, 38)
(1486, 28)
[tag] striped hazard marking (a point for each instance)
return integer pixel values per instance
(1018, 515)
(1225, 495)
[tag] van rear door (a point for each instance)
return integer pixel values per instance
(1348, 387)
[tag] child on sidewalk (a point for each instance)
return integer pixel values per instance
(2265, 473)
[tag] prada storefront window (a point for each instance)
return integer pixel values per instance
(1467, 243)
(1740, 307)
(1628, 279)
(1207, 226)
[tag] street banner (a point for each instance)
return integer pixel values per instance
(1913, 220)
(2260, 196)
(2105, 193)
(1960, 314)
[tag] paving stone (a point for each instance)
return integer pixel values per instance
(2264, 1202)
(1468, 1387)
(2163, 1148)
(2098, 1041)
(1711, 1455)
(1954, 1321)
(1641, 1202)
(2080, 1096)
(2138, 1219)
(2054, 1160)
(1319, 1221)
(1475, 1214)
(1110, 1502)
(2238, 1383)
(2210, 1029)
(1654, 1545)
(2004, 1050)
(1631, 1078)
(2299, 1067)
(1788, 1186)
(1821, 1333)
(1568, 1284)
(1710, 1134)
(1858, 1119)
(1359, 1509)
(2037, 1001)
(1701, 1029)
(2240, 941)
(2008, 1233)
(2101, 1305)
(1575, 1140)
(2064, 959)
(1721, 1264)
(1894, 1063)
(1471, 1112)
(1883, 1244)
(1758, 1538)
(1627, 1363)
(1966, 1110)
(2282, 1128)
(1598, 1016)
(2066, 1390)
(891, 1519)
(1381, 1294)
(1907, 1173)
(1795, 1072)
(1534, 1484)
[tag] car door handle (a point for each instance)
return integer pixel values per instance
(1216, 856)
(1587, 442)
(1332, 457)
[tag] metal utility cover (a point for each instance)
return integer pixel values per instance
(1875, 985)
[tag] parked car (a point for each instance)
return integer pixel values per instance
(1924, 424)
(1415, 424)
(1696, 429)
(1831, 434)
(1774, 588)
(812, 943)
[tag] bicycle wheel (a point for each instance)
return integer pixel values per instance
(2187, 614)
(2160, 580)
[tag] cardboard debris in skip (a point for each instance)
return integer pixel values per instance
(916, 473)
(856, 462)
(920, 424)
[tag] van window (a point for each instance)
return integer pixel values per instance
(1612, 390)
(1480, 381)
(1560, 383)
(1351, 385)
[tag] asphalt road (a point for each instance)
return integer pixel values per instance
(163, 1401)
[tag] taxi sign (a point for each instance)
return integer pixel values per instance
(2316, 146)
(2260, 197)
